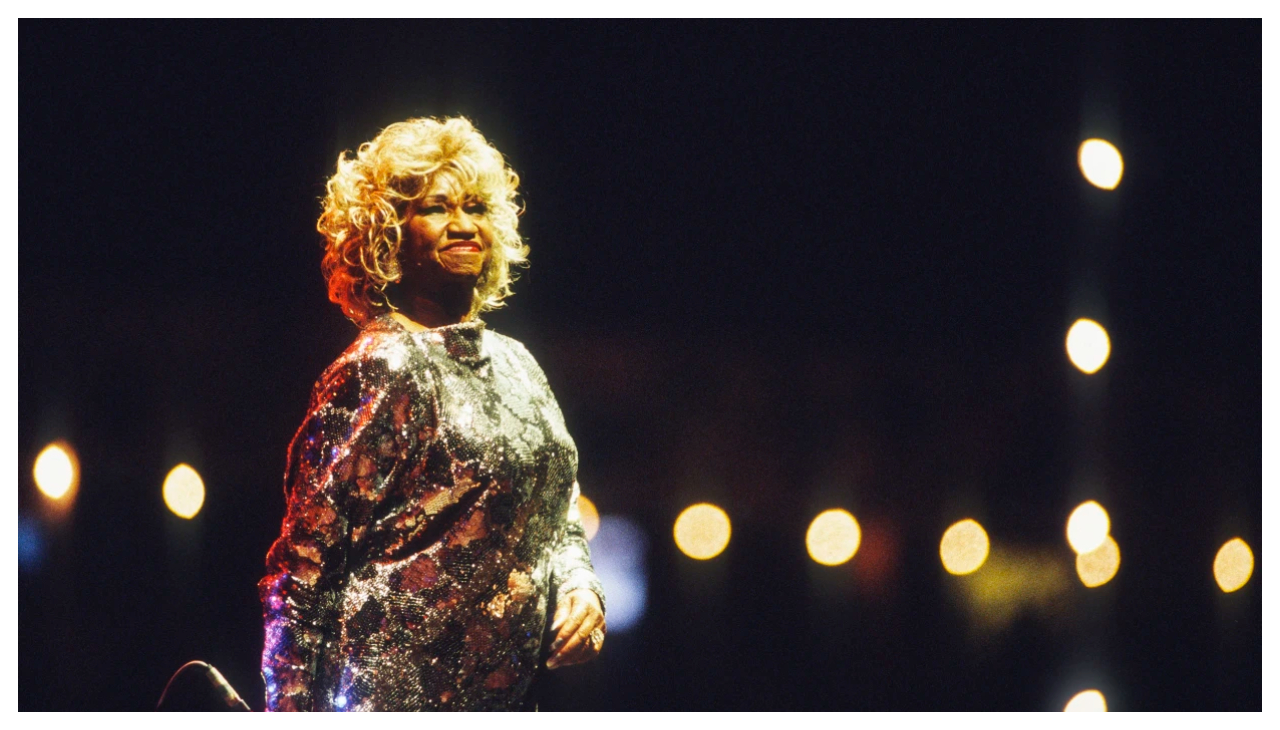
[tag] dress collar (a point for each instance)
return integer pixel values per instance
(463, 342)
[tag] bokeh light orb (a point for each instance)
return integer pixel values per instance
(1101, 163)
(702, 531)
(833, 537)
(1088, 346)
(619, 554)
(1100, 565)
(964, 547)
(184, 491)
(1233, 565)
(31, 541)
(589, 515)
(1088, 527)
(57, 471)
(1090, 700)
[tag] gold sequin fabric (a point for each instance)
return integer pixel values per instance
(429, 525)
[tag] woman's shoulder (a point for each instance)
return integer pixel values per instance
(498, 342)
(379, 353)
(517, 354)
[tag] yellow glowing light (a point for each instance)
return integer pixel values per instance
(833, 537)
(1088, 346)
(184, 491)
(1088, 527)
(964, 547)
(1101, 163)
(590, 517)
(57, 471)
(1090, 700)
(1233, 566)
(702, 531)
(1100, 565)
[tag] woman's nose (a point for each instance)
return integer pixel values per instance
(462, 223)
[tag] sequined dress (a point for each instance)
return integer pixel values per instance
(431, 517)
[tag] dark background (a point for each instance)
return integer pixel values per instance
(779, 266)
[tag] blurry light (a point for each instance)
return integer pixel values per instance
(702, 531)
(30, 543)
(1233, 566)
(1090, 700)
(589, 516)
(964, 547)
(618, 556)
(1088, 346)
(1101, 163)
(1100, 565)
(184, 491)
(1088, 527)
(1014, 582)
(833, 537)
(57, 471)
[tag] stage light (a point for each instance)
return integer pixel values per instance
(1090, 700)
(833, 537)
(702, 531)
(57, 471)
(1100, 565)
(1233, 566)
(589, 516)
(1014, 582)
(1088, 346)
(964, 547)
(184, 491)
(618, 555)
(30, 543)
(1101, 163)
(1088, 527)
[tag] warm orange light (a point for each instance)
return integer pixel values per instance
(184, 491)
(1088, 527)
(1090, 700)
(1100, 565)
(590, 517)
(1088, 346)
(702, 531)
(1233, 566)
(1101, 163)
(964, 547)
(833, 537)
(57, 471)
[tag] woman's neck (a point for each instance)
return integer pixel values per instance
(433, 311)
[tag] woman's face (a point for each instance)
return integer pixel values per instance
(448, 238)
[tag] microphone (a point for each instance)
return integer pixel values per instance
(199, 687)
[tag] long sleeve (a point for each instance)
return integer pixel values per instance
(339, 464)
(571, 567)
(571, 564)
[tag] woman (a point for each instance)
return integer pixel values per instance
(431, 523)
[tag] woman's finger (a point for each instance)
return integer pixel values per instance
(577, 614)
(562, 611)
(580, 646)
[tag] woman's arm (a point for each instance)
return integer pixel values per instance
(579, 607)
(338, 465)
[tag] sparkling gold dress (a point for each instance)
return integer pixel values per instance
(431, 520)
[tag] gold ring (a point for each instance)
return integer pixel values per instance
(596, 638)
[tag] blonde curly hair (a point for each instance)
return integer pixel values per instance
(367, 201)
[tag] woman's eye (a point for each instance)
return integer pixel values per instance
(476, 209)
(431, 210)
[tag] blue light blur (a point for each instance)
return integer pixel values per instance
(30, 544)
(618, 554)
